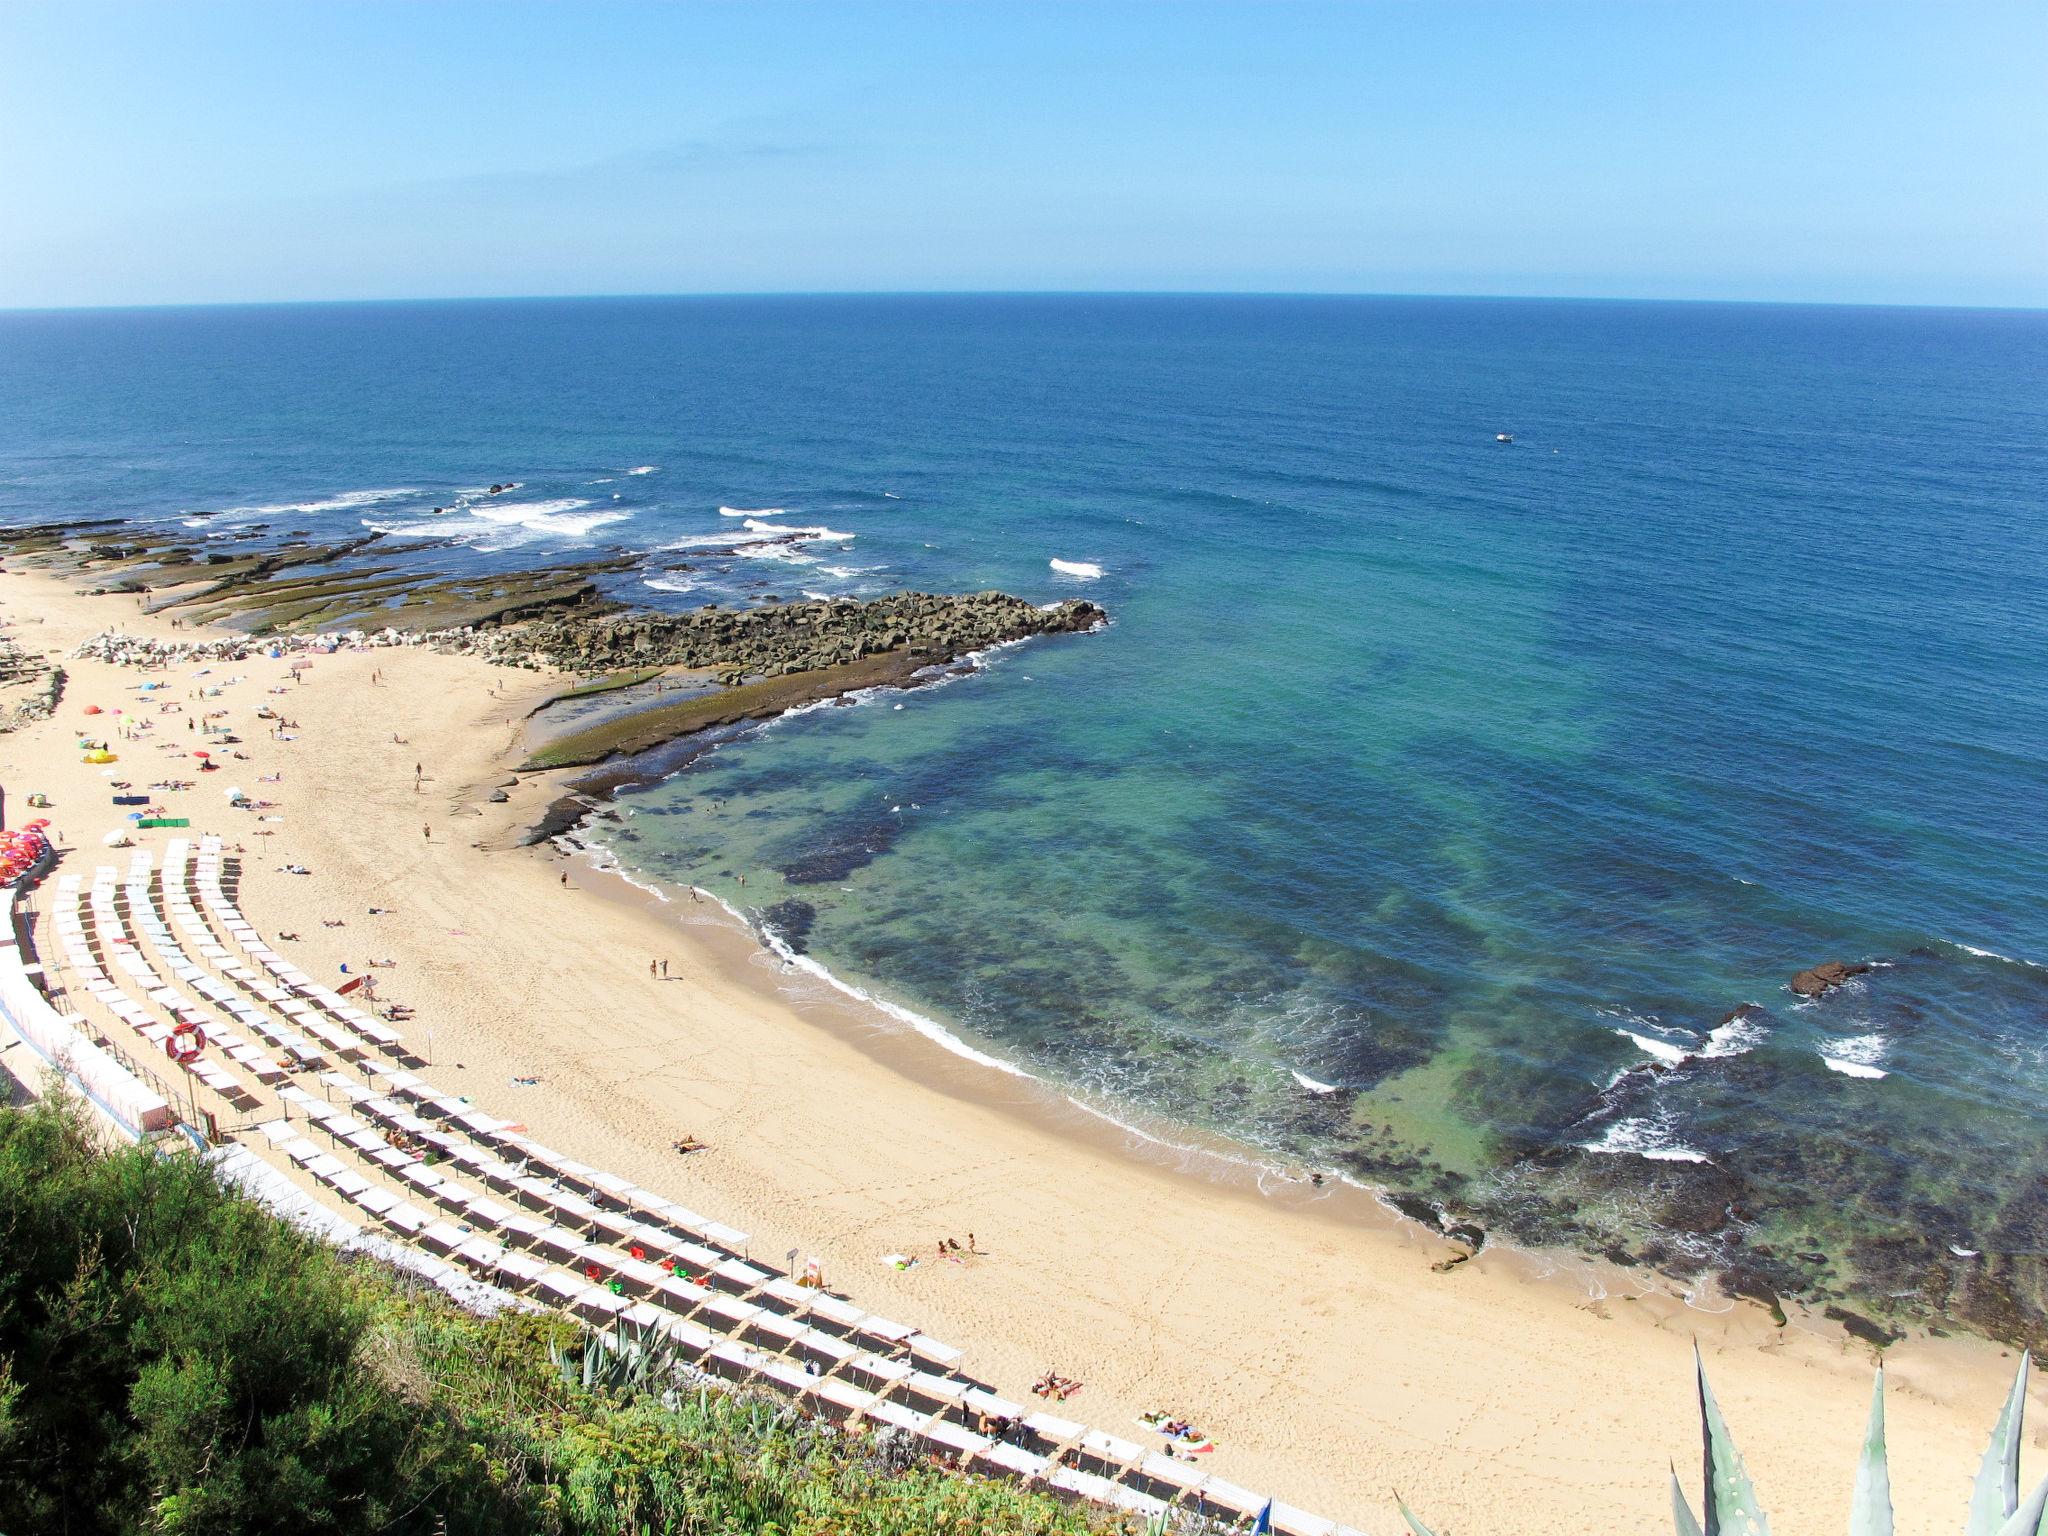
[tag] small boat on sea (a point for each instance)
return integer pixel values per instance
(1503, 437)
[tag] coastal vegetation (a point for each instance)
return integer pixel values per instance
(175, 1358)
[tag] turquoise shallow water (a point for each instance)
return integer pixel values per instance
(1479, 782)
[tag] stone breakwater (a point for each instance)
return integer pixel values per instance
(779, 640)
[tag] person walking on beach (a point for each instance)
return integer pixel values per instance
(664, 970)
(426, 832)
(650, 970)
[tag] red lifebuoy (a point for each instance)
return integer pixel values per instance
(186, 1041)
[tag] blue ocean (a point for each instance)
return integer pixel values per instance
(1440, 811)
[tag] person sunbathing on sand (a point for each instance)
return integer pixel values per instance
(686, 1144)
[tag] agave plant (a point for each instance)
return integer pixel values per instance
(628, 1364)
(1730, 1499)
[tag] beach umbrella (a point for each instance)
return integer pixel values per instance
(92, 709)
(235, 793)
(202, 754)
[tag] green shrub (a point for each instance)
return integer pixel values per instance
(173, 1358)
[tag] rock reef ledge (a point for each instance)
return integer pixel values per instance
(780, 639)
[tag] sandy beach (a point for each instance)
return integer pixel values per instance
(1306, 1330)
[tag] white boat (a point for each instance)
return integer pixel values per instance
(1503, 437)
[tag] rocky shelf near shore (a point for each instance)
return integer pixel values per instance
(779, 640)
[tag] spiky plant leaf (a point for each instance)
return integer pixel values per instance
(1682, 1517)
(1730, 1497)
(1414, 1524)
(1997, 1493)
(2030, 1517)
(1870, 1511)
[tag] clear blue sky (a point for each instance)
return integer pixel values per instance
(159, 153)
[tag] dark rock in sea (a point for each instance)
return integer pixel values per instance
(1417, 1209)
(1747, 1283)
(791, 921)
(849, 846)
(1471, 1235)
(1860, 1327)
(1824, 978)
(562, 815)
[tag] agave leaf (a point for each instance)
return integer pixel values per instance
(1870, 1511)
(2030, 1517)
(1414, 1524)
(1682, 1518)
(1731, 1505)
(1997, 1493)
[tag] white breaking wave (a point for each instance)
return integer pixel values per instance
(1642, 1136)
(1856, 1055)
(561, 516)
(752, 512)
(669, 583)
(643, 469)
(810, 533)
(1087, 570)
(787, 554)
(1736, 1037)
(1310, 1083)
(1732, 1037)
(501, 525)
(341, 503)
(712, 541)
(1662, 1050)
(520, 511)
(1992, 954)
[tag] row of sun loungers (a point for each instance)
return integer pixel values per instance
(65, 1045)
(498, 1219)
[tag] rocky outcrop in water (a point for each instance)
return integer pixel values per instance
(1824, 978)
(784, 638)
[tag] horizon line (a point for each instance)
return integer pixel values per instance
(1001, 293)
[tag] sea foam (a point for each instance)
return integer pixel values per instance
(1645, 1136)
(1856, 1055)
